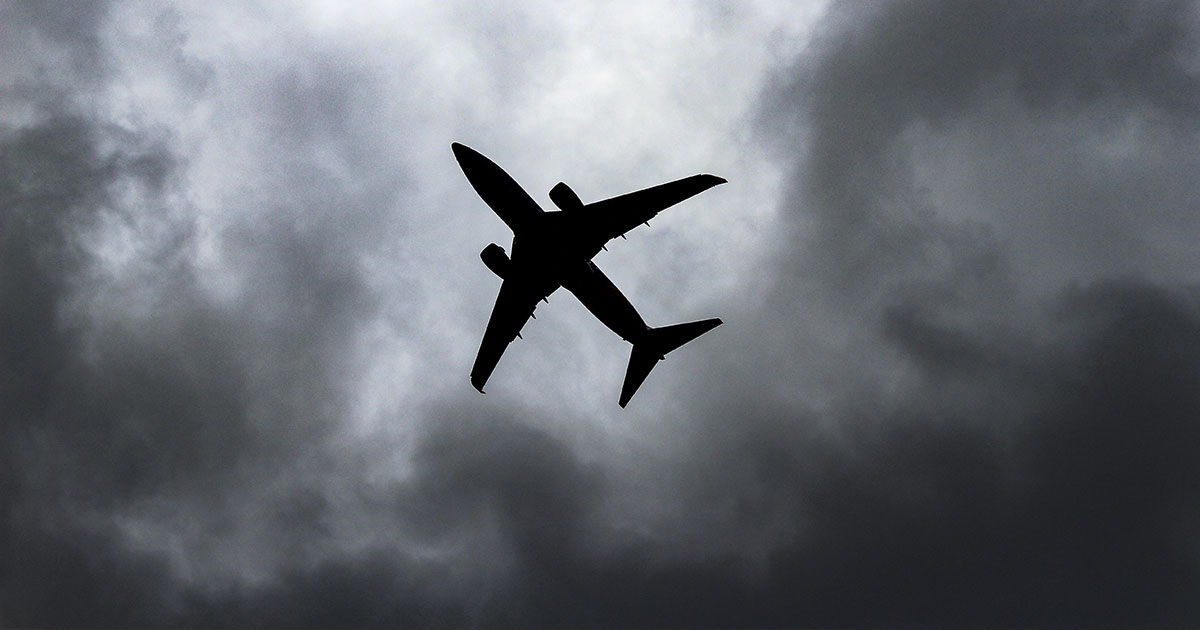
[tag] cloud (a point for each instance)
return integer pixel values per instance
(892, 85)
(962, 390)
(148, 406)
(55, 43)
(942, 398)
(63, 460)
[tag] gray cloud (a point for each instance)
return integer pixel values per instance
(63, 459)
(137, 403)
(985, 384)
(57, 42)
(1033, 484)
(967, 394)
(932, 68)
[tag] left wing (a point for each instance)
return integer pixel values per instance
(616, 216)
(514, 307)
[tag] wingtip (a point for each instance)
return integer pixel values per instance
(717, 179)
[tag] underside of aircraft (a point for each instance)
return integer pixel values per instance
(555, 249)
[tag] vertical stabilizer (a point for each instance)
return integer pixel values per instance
(654, 348)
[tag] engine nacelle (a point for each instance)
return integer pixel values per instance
(564, 197)
(494, 257)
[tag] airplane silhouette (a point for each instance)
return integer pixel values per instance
(553, 249)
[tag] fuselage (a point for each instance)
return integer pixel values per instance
(553, 250)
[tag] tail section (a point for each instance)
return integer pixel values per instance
(654, 348)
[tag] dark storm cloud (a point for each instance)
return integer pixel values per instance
(500, 508)
(1073, 513)
(1040, 484)
(61, 455)
(994, 450)
(882, 70)
(905, 430)
(133, 390)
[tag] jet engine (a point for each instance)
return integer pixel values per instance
(564, 197)
(494, 257)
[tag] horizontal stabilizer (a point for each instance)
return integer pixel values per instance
(657, 343)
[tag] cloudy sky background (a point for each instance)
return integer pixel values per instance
(958, 380)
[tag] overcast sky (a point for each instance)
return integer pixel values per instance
(240, 294)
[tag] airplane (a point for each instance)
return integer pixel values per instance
(555, 249)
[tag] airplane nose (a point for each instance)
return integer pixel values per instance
(461, 151)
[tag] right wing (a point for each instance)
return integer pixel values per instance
(514, 306)
(616, 216)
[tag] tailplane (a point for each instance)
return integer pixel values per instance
(654, 348)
